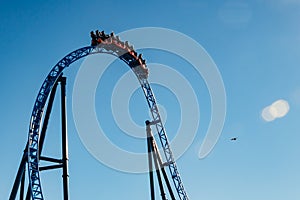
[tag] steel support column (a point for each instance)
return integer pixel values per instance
(159, 166)
(19, 175)
(64, 138)
(150, 161)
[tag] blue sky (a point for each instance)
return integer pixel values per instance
(256, 46)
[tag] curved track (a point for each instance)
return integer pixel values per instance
(110, 45)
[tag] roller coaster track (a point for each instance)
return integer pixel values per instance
(123, 51)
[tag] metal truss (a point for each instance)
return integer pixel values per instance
(114, 47)
(170, 161)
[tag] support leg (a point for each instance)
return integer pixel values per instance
(159, 166)
(19, 176)
(163, 171)
(150, 169)
(22, 186)
(64, 138)
(157, 169)
(150, 164)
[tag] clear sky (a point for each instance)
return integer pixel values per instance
(256, 46)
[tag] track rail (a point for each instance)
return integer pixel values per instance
(109, 45)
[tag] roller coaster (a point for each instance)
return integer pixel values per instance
(100, 43)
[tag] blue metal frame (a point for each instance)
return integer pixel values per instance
(114, 47)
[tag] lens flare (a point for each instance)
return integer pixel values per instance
(277, 109)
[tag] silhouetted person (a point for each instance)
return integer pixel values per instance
(130, 47)
(140, 56)
(97, 34)
(126, 44)
(143, 61)
(112, 34)
(134, 52)
(105, 36)
(94, 38)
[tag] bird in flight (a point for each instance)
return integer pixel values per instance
(234, 138)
